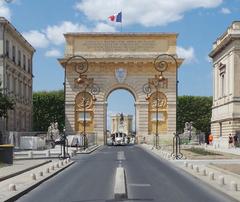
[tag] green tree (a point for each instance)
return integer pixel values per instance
(6, 103)
(196, 109)
(48, 107)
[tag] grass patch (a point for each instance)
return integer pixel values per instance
(201, 151)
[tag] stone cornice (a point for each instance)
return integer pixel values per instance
(122, 34)
(120, 58)
(232, 33)
(18, 35)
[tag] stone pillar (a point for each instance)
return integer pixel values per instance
(100, 120)
(69, 118)
(142, 120)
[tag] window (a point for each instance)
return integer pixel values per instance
(222, 79)
(8, 82)
(14, 54)
(7, 48)
(24, 62)
(222, 85)
(14, 85)
(29, 66)
(19, 57)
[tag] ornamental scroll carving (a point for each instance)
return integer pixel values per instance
(84, 97)
(158, 100)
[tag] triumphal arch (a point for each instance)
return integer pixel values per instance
(136, 62)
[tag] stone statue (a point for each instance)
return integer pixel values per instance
(53, 131)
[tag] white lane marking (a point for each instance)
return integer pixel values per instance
(140, 185)
(121, 156)
(120, 164)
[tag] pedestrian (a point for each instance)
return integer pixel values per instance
(210, 139)
(235, 139)
(230, 141)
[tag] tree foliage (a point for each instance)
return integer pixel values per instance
(48, 107)
(6, 103)
(196, 109)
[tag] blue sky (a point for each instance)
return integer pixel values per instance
(198, 22)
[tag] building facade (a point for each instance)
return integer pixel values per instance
(120, 61)
(226, 85)
(16, 77)
(122, 123)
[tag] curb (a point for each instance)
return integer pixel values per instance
(90, 151)
(20, 194)
(23, 171)
(120, 187)
(186, 171)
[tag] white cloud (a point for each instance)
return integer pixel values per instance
(147, 13)
(36, 39)
(103, 27)
(4, 10)
(55, 33)
(187, 54)
(225, 11)
(53, 53)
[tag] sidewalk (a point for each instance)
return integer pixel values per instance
(235, 151)
(13, 188)
(220, 179)
(50, 153)
(18, 179)
(20, 166)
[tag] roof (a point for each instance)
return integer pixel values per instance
(6, 22)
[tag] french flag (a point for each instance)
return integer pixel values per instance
(116, 18)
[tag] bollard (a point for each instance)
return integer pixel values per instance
(196, 169)
(47, 170)
(33, 176)
(211, 176)
(61, 163)
(40, 173)
(12, 187)
(30, 154)
(52, 167)
(204, 172)
(57, 165)
(68, 160)
(233, 186)
(191, 166)
(221, 180)
(185, 164)
(65, 161)
(48, 154)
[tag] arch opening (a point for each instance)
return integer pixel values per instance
(121, 112)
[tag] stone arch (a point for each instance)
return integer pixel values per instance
(124, 86)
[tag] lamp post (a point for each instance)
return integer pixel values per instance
(156, 83)
(161, 63)
(81, 67)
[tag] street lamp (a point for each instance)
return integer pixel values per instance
(81, 66)
(156, 83)
(161, 63)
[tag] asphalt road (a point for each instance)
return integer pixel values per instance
(91, 179)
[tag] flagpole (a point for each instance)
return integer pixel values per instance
(121, 19)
